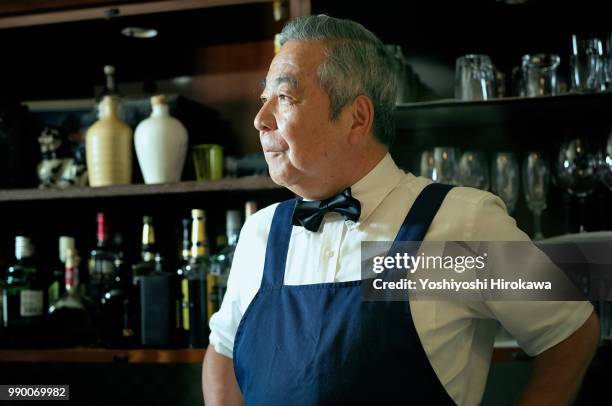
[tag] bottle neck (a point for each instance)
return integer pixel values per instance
(159, 110)
(232, 237)
(109, 110)
(198, 237)
(71, 278)
(148, 242)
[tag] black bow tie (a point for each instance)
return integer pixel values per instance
(310, 214)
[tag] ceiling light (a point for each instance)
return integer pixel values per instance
(139, 32)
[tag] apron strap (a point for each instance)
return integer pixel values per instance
(278, 244)
(422, 212)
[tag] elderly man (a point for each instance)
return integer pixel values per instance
(293, 328)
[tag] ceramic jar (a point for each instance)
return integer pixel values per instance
(109, 147)
(161, 144)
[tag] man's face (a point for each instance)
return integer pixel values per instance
(301, 145)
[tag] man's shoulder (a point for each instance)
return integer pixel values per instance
(459, 195)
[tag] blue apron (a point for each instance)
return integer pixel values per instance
(322, 344)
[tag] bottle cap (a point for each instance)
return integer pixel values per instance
(197, 213)
(250, 208)
(159, 99)
(233, 220)
(65, 243)
(109, 70)
(23, 247)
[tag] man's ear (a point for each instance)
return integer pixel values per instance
(362, 114)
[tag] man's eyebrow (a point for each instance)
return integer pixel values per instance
(290, 80)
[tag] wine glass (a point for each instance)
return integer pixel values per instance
(605, 165)
(576, 171)
(473, 170)
(505, 178)
(536, 176)
(445, 165)
(427, 167)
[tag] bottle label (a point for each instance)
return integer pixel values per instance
(185, 304)
(31, 303)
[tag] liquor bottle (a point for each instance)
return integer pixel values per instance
(71, 318)
(57, 282)
(182, 306)
(117, 310)
(194, 283)
(101, 263)
(222, 262)
(147, 251)
(23, 301)
(158, 307)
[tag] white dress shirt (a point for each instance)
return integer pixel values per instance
(457, 336)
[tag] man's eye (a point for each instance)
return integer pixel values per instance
(284, 97)
(263, 99)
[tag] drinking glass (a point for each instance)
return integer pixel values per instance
(473, 170)
(445, 165)
(474, 78)
(427, 167)
(539, 73)
(505, 178)
(536, 177)
(576, 171)
(605, 164)
(586, 64)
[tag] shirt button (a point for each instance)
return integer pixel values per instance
(329, 253)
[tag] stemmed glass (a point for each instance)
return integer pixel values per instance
(427, 167)
(605, 165)
(536, 176)
(505, 178)
(445, 165)
(473, 170)
(576, 172)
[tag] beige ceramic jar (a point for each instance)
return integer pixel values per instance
(109, 147)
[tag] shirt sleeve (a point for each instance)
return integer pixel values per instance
(536, 325)
(243, 282)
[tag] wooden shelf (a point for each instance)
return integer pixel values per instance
(565, 108)
(244, 184)
(98, 355)
(179, 356)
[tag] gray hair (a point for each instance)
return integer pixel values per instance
(357, 63)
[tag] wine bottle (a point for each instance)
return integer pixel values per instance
(182, 306)
(222, 262)
(101, 263)
(117, 310)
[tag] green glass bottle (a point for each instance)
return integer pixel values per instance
(23, 302)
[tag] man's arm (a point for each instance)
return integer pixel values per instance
(219, 381)
(558, 372)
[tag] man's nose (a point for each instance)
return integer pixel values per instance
(265, 120)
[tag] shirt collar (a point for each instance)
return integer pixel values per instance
(376, 185)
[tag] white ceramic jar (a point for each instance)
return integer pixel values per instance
(161, 144)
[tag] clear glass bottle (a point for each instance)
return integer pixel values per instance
(222, 262)
(71, 318)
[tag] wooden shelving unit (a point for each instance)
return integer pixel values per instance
(248, 183)
(98, 355)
